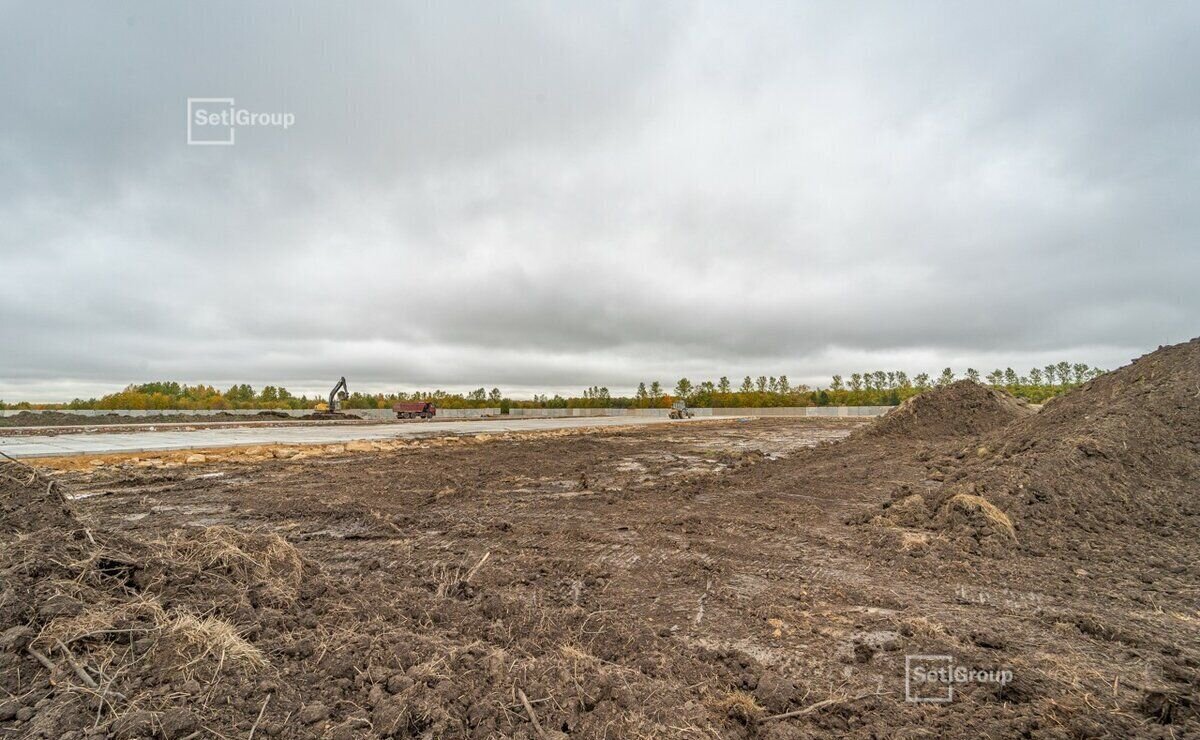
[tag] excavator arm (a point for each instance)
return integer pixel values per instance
(339, 393)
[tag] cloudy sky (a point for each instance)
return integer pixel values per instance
(545, 196)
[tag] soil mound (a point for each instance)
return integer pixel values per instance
(125, 628)
(963, 408)
(1111, 466)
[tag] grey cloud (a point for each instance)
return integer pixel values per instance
(535, 195)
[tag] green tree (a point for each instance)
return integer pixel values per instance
(683, 388)
(747, 385)
(723, 385)
(921, 382)
(837, 384)
(1063, 370)
(972, 375)
(946, 378)
(1035, 376)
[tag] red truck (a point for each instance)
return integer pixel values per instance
(414, 410)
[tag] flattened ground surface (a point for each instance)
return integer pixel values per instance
(727, 540)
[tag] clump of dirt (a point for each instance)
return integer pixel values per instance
(1110, 466)
(123, 630)
(963, 408)
(23, 507)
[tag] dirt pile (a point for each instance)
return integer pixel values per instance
(1111, 466)
(963, 408)
(107, 633)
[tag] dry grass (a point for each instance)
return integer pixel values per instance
(209, 636)
(975, 507)
(264, 560)
(740, 706)
(193, 638)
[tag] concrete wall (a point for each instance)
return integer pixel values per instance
(362, 413)
(520, 413)
(564, 413)
(155, 412)
(766, 411)
(806, 411)
(465, 413)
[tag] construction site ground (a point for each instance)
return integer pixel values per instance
(684, 580)
(48, 442)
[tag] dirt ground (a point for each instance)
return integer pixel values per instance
(725, 579)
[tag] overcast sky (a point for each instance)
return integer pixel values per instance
(546, 196)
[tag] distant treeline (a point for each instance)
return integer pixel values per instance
(877, 388)
(172, 395)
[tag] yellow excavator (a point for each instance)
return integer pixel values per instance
(339, 393)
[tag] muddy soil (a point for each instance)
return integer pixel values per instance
(677, 581)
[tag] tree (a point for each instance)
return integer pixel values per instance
(1063, 369)
(946, 378)
(1010, 376)
(836, 385)
(1035, 376)
(240, 394)
(773, 384)
(478, 394)
(642, 395)
(723, 385)
(880, 378)
(747, 385)
(972, 375)
(784, 385)
(1081, 370)
(921, 382)
(902, 380)
(655, 391)
(1051, 372)
(856, 382)
(995, 378)
(683, 388)
(761, 383)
